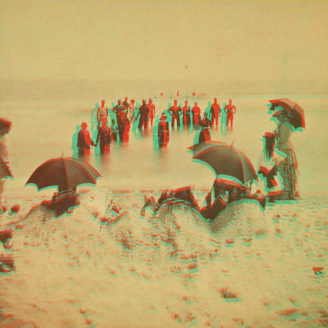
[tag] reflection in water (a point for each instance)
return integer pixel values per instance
(141, 162)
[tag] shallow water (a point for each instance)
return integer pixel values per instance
(45, 117)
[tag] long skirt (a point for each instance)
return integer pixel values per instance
(288, 171)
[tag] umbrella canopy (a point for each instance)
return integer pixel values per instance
(4, 170)
(65, 172)
(200, 147)
(227, 161)
(294, 111)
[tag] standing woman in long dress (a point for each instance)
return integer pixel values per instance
(288, 169)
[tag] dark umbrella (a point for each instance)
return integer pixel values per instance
(227, 161)
(294, 111)
(4, 170)
(65, 172)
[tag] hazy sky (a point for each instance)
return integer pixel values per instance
(84, 39)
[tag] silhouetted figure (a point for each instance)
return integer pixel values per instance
(174, 111)
(215, 112)
(151, 108)
(104, 138)
(125, 103)
(163, 132)
(102, 113)
(115, 131)
(230, 109)
(119, 110)
(143, 115)
(84, 141)
(196, 114)
(204, 134)
(186, 114)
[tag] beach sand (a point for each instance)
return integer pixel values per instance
(258, 269)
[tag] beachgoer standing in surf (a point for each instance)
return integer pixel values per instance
(230, 109)
(102, 113)
(174, 111)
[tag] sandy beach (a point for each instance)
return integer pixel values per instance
(260, 269)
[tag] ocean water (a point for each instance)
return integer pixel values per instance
(45, 115)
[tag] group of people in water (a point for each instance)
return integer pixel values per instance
(114, 124)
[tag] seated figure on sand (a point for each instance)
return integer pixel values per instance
(62, 201)
(224, 193)
(216, 201)
(221, 195)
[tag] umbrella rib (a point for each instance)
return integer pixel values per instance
(242, 167)
(65, 172)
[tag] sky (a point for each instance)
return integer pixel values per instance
(224, 40)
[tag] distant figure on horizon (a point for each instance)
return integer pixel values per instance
(102, 113)
(84, 141)
(151, 108)
(174, 111)
(196, 114)
(230, 109)
(215, 112)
